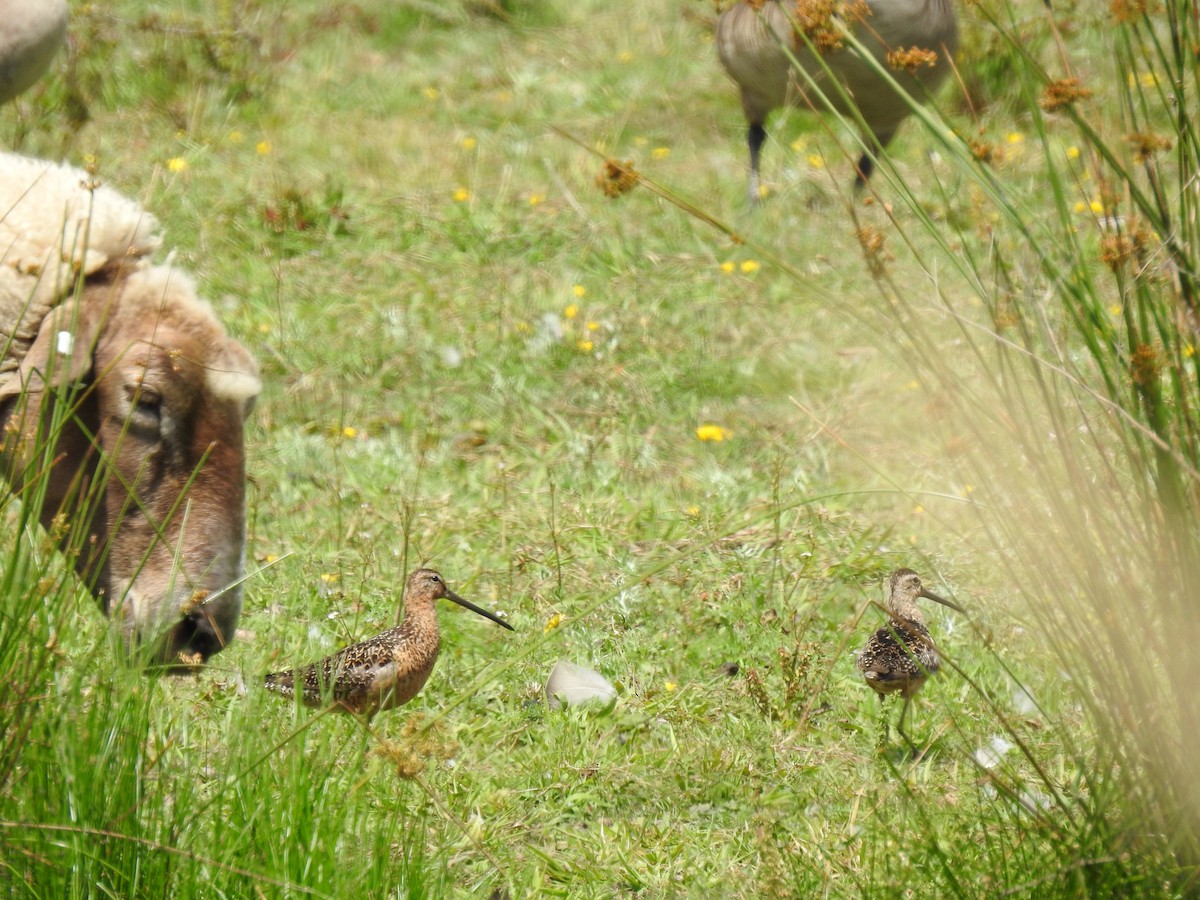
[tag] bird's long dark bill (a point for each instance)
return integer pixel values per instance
(942, 600)
(450, 595)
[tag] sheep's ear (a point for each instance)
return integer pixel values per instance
(60, 356)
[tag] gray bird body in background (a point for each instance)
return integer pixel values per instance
(31, 32)
(753, 44)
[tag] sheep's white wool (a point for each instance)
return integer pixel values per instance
(157, 287)
(234, 385)
(55, 223)
(160, 286)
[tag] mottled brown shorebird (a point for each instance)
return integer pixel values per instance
(901, 655)
(389, 669)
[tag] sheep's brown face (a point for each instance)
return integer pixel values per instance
(147, 489)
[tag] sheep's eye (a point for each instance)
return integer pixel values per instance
(145, 406)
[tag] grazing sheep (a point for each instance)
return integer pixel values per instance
(754, 36)
(123, 400)
(31, 31)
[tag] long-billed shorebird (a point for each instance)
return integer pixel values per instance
(901, 655)
(389, 669)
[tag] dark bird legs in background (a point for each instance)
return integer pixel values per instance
(757, 41)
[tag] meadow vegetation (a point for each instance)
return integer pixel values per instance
(659, 447)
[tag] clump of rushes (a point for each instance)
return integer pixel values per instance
(1083, 409)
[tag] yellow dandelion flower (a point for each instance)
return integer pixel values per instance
(800, 144)
(1014, 137)
(329, 577)
(1115, 310)
(535, 199)
(236, 137)
(749, 265)
(551, 623)
(262, 148)
(579, 290)
(1080, 206)
(728, 267)
(593, 326)
(270, 558)
(713, 433)
(968, 489)
(177, 164)
(660, 152)
(1096, 206)
(918, 509)
(693, 510)
(816, 160)
(461, 195)
(431, 93)
(585, 346)
(1072, 152)
(571, 311)
(468, 143)
(350, 432)
(264, 327)
(670, 686)
(1189, 351)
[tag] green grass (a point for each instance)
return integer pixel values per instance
(375, 200)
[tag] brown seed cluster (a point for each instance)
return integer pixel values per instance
(1128, 10)
(617, 178)
(1146, 144)
(1005, 314)
(1116, 250)
(985, 151)
(1129, 245)
(1062, 93)
(758, 693)
(815, 21)
(409, 754)
(912, 59)
(1144, 366)
(874, 246)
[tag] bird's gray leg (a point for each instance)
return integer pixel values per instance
(756, 135)
(866, 162)
(903, 733)
(866, 165)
